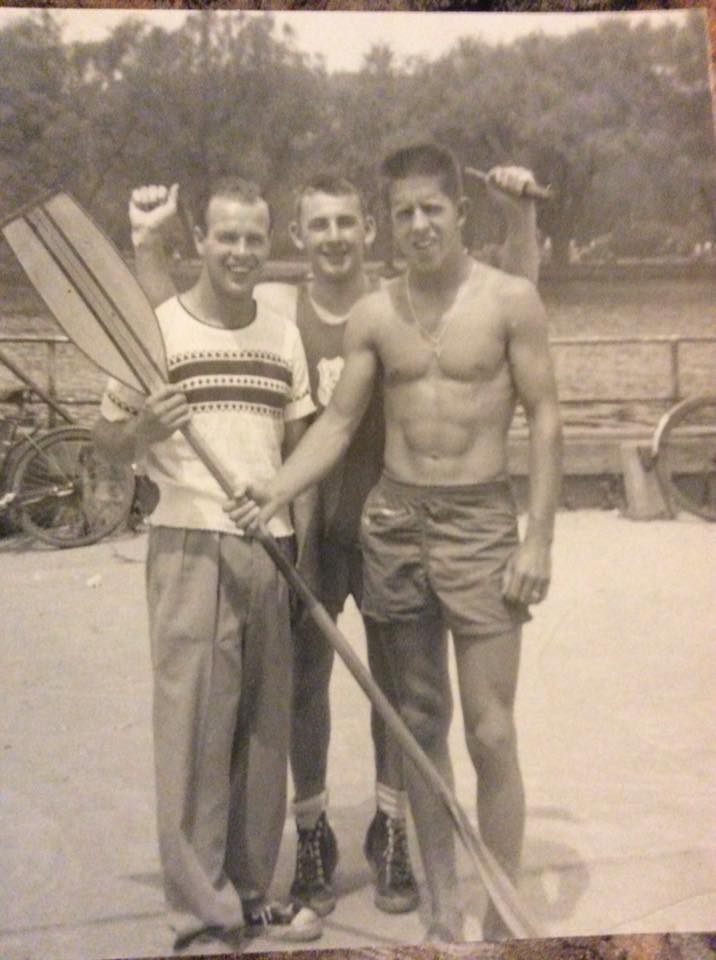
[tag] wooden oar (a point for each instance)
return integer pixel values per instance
(100, 305)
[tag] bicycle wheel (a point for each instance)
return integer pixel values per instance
(65, 493)
(684, 448)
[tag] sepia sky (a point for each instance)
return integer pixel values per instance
(343, 37)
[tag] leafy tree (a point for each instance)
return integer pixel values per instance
(37, 119)
(597, 114)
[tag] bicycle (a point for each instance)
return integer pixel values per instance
(683, 452)
(53, 484)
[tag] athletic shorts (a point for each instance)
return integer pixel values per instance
(341, 575)
(440, 551)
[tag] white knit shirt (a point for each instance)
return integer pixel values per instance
(242, 385)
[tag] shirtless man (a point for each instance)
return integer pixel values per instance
(334, 231)
(457, 343)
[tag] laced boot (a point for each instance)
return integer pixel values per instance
(386, 849)
(316, 859)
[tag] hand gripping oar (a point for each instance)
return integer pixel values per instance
(100, 305)
(532, 190)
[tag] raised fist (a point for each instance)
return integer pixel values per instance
(151, 209)
(513, 181)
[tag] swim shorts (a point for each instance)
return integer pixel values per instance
(341, 575)
(440, 551)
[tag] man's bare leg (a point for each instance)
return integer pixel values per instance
(311, 715)
(316, 851)
(487, 677)
(388, 755)
(418, 658)
(386, 844)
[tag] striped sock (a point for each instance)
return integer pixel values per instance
(308, 811)
(393, 803)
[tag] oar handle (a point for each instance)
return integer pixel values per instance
(532, 190)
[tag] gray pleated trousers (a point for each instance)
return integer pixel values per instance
(221, 654)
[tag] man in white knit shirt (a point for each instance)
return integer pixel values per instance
(218, 609)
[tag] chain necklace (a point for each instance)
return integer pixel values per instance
(433, 337)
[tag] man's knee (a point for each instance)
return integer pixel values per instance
(427, 718)
(491, 736)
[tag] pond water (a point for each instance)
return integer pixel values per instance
(631, 307)
(575, 308)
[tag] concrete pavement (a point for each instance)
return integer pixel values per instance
(617, 739)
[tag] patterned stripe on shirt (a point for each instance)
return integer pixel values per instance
(236, 366)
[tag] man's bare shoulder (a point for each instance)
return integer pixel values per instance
(515, 298)
(374, 305)
(367, 317)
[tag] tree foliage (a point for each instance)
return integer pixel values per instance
(616, 118)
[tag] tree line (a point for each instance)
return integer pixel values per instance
(617, 118)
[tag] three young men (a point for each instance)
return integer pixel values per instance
(334, 232)
(456, 344)
(218, 609)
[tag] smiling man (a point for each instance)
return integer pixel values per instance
(218, 609)
(456, 343)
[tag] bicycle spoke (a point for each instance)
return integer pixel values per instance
(61, 462)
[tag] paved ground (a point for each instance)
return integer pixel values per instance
(617, 729)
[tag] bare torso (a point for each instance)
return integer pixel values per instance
(449, 395)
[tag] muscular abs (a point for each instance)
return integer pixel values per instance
(448, 404)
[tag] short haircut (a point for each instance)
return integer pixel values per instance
(423, 160)
(329, 183)
(232, 188)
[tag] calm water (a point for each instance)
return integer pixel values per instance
(575, 308)
(627, 308)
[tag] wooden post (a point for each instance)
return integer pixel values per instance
(644, 500)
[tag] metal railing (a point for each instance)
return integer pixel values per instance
(674, 344)
(50, 341)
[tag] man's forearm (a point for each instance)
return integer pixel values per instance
(320, 449)
(117, 442)
(152, 268)
(545, 472)
(519, 254)
(306, 517)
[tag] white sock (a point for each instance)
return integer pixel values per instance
(308, 811)
(393, 803)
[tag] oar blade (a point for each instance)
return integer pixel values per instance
(105, 264)
(65, 301)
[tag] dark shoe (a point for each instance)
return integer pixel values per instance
(197, 934)
(316, 859)
(290, 922)
(386, 849)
